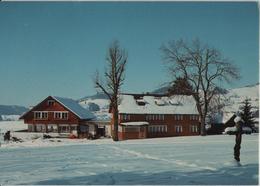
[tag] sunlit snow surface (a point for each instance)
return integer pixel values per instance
(180, 160)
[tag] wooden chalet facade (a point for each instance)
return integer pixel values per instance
(146, 116)
(60, 115)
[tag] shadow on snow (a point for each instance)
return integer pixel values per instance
(244, 175)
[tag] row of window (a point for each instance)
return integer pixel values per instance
(157, 128)
(61, 115)
(194, 117)
(193, 128)
(53, 128)
(159, 117)
(42, 115)
(154, 117)
(191, 117)
(177, 128)
(178, 117)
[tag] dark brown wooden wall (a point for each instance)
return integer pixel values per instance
(169, 120)
(43, 106)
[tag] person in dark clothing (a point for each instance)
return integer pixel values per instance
(239, 123)
(7, 136)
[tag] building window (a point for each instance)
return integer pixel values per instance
(57, 115)
(178, 129)
(64, 115)
(61, 115)
(157, 128)
(73, 128)
(126, 117)
(162, 116)
(40, 128)
(50, 102)
(154, 117)
(44, 115)
(194, 117)
(178, 117)
(37, 115)
(194, 128)
(64, 129)
(41, 115)
(52, 128)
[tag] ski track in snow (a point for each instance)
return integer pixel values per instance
(177, 162)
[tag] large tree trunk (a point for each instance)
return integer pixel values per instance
(115, 116)
(115, 129)
(202, 126)
(202, 118)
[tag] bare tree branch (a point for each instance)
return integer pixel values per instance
(203, 67)
(116, 62)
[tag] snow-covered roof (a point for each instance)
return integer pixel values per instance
(138, 123)
(234, 129)
(74, 107)
(182, 105)
(222, 118)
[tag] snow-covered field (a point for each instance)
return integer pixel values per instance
(12, 126)
(178, 160)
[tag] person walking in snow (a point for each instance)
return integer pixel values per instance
(238, 123)
(7, 136)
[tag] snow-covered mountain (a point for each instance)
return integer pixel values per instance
(233, 100)
(236, 96)
(99, 105)
(11, 112)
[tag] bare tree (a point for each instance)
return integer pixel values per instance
(114, 76)
(203, 67)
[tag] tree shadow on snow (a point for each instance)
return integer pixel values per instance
(244, 175)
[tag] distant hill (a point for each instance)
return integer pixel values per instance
(161, 90)
(12, 110)
(95, 96)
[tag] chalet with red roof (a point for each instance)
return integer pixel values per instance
(60, 115)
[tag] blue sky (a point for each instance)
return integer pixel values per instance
(55, 48)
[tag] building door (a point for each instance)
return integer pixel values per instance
(101, 131)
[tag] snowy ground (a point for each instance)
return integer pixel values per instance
(180, 160)
(12, 126)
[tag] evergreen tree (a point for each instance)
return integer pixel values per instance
(247, 114)
(180, 86)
